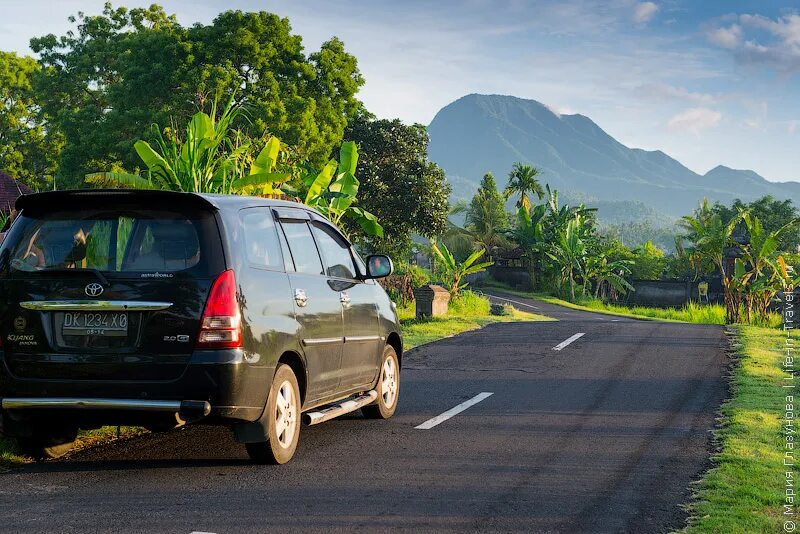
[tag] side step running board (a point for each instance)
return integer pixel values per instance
(339, 408)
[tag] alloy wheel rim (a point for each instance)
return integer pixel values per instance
(285, 414)
(389, 382)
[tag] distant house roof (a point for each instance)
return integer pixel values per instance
(10, 191)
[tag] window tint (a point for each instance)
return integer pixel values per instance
(261, 240)
(301, 243)
(335, 251)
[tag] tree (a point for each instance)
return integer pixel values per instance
(522, 181)
(27, 149)
(648, 262)
(105, 83)
(772, 214)
(487, 208)
(407, 193)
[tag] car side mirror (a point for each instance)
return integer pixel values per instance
(379, 266)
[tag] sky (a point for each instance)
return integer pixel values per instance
(709, 82)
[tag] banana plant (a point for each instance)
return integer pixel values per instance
(597, 267)
(334, 189)
(569, 253)
(455, 271)
(212, 157)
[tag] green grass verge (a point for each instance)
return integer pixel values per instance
(11, 457)
(469, 312)
(690, 313)
(744, 491)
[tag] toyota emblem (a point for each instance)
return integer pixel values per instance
(94, 289)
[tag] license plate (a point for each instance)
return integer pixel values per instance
(95, 324)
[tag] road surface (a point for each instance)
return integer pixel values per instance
(603, 434)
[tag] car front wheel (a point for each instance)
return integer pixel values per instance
(388, 387)
(283, 415)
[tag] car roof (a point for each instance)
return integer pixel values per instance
(200, 200)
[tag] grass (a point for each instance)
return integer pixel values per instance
(744, 491)
(689, 313)
(467, 312)
(11, 457)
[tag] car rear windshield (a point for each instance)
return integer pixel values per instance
(130, 241)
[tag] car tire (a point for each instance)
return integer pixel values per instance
(388, 387)
(283, 420)
(47, 444)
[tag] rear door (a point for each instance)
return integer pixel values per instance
(317, 306)
(106, 291)
(362, 342)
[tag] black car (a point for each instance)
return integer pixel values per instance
(157, 309)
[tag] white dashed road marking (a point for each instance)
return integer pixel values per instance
(568, 341)
(430, 423)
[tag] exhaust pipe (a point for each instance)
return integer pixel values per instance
(339, 408)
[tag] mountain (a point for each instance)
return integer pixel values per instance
(480, 133)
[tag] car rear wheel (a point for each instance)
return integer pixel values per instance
(48, 443)
(388, 387)
(283, 417)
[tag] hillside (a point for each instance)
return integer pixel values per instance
(480, 133)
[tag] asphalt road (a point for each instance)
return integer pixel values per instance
(604, 435)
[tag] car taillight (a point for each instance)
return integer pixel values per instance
(221, 319)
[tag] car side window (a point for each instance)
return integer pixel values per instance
(263, 249)
(301, 243)
(335, 252)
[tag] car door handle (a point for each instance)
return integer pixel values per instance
(300, 297)
(344, 298)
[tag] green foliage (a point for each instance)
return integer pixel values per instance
(469, 304)
(709, 235)
(419, 276)
(210, 158)
(106, 81)
(772, 213)
(636, 233)
(404, 190)
(648, 262)
(455, 271)
(522, 181)
(28, 149)
(333, 192)
(487, 210)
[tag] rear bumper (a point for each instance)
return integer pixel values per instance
(219, 385)
(188, 410)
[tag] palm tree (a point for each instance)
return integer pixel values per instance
(522, 181)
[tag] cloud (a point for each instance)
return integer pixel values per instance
(669, 92)
(792, 126)
(644, 12)
(725, 37)
(759, 40)
(694, 120)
